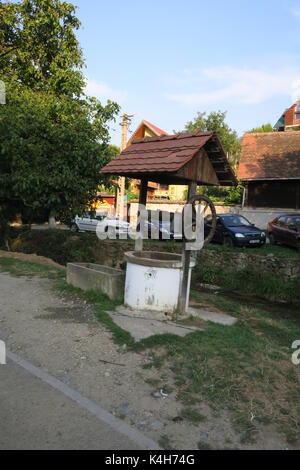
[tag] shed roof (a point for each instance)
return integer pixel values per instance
(162, 158)
(271, 155)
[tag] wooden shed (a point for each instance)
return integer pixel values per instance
(270, 169)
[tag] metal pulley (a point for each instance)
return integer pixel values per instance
(201, 208)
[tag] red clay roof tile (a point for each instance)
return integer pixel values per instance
(272, 155)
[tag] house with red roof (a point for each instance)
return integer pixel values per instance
(270, 170)
(290, 119)
(147, 129)
(155, 190)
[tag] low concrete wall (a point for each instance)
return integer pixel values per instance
(88, 276)
(260, 217)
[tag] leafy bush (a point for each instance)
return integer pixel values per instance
(59, 245)
(234, 195)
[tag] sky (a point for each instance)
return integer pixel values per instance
(166, 60)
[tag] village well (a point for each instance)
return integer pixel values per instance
(193, 159)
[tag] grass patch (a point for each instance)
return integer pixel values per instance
(192, 415)
(249, 281)
(26, 268)
(245, 369)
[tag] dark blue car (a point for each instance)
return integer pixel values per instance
(236, 230)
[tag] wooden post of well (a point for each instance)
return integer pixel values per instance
(186, 258)
(142, 202)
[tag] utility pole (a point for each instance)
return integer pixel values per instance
(126, 120)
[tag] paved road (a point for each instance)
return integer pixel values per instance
(34, 414)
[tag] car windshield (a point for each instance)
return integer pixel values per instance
(297, 222)
(236, 221)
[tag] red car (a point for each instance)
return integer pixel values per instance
(285, 230)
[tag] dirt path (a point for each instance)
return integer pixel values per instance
(62, 337)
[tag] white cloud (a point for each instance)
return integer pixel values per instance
(238, 86)
(103, 92)
(296, 12)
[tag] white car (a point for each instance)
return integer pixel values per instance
(90, 220)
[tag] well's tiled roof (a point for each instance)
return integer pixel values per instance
(168, 154)
(271, 155)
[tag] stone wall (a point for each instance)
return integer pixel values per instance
(112, 254)
(288, 268)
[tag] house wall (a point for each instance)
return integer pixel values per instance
(177, 192)
(279, 194)
(290, 117)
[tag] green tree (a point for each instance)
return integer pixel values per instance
(215, 121)
(52, 150)
(38, 46)
(110, 153)
(263, 128)
(53, 138)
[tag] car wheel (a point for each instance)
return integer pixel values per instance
(74, 228)
(272, 239)
(228, 242)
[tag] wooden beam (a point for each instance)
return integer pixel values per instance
(186, 259)
(142, 202)
(246, 194)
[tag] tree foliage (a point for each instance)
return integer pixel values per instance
(215, 121)
(52, 149)
(38, 46)
(53, 138)
(263, 128)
